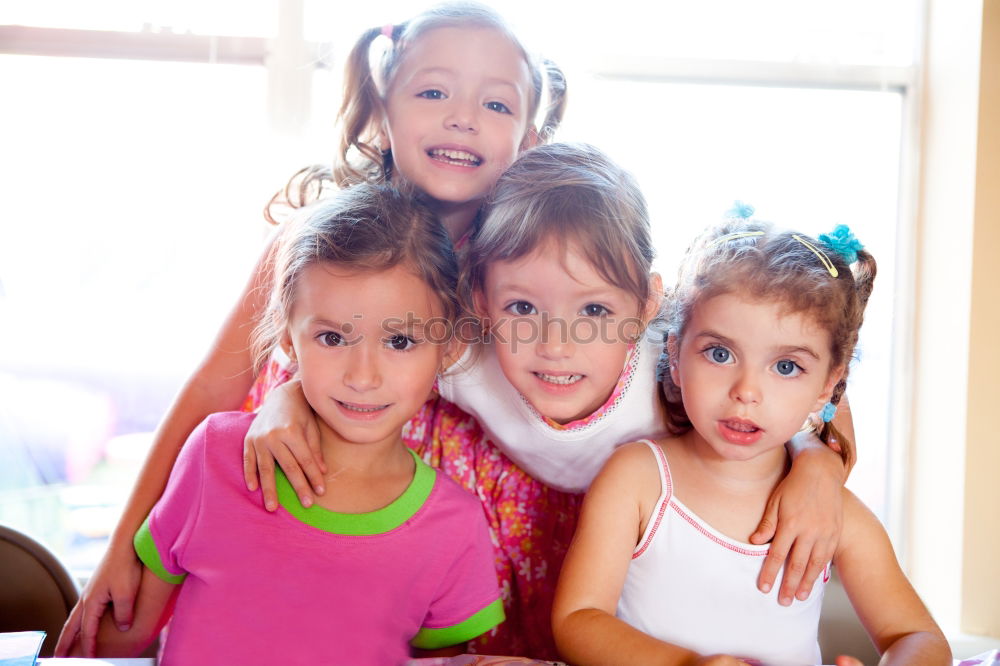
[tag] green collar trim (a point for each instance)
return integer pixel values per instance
(379, 521)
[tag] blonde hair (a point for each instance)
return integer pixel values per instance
(753, 258)
(565, 192)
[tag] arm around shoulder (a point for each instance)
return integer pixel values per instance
(890, 610)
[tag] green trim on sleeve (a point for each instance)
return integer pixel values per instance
(145, 548)
(480, 623)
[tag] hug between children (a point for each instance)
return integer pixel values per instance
(444, 351)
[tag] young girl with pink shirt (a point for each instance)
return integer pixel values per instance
(394, 555)
(762, 325)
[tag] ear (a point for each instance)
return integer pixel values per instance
(655, 299)
(382, 139)
(452, 352)
(479, 304)
(285, 342)
(836, 374)
(531, 138)
(673, 351)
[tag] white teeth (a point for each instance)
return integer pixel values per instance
(561, 379)
(363, 410)
(456, 156)
(740, 427)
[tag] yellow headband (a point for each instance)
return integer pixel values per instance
(819, 253)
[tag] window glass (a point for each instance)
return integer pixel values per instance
(131, 218)
(243, 18)
(859, 32)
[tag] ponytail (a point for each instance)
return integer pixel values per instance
(556, 106)
(359, 114)
(863, 271)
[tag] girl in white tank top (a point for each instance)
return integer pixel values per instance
(761, 327)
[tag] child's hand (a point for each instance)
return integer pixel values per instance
(804, 515)
(285, 429)
(719, 660)
(115, 581)
(844, 660)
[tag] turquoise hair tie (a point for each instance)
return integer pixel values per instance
(740, 210)
(828, 412)
(843, 242)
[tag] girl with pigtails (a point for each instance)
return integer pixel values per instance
(761, 327)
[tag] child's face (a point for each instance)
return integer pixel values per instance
(560, 331)
(750, 373)
(364, 358)
(456, 113)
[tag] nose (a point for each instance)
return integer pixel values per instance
(746, 389)
(462, 116)
(362, 372)
(554, 340)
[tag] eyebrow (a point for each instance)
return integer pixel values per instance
(788, 349)
(605, 291)
(450, 72)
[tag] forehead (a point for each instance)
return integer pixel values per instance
(343, 293)
(551, 265)
(472, 51)
(760, 320)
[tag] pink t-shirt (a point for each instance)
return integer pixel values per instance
(312, 586)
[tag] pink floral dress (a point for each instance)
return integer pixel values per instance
(531, 525)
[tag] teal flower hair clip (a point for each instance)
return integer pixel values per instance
(740, 210)
(843, 242)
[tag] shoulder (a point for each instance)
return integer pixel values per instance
(218, 436)
(448, 492)
(863, 534)
(632, 469)
(634, 458)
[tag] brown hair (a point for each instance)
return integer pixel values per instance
(366, 227)
(753, 258)
(359, 159)
(565, 192)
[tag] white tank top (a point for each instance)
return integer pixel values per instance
(692, 586)
(567, 457)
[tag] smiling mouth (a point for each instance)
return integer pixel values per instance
(455, 157)
(561, 380)
(361, 409)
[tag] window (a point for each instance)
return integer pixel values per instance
(135, 185)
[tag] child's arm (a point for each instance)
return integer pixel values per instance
(153, 606)
(897, 621)
(220, 383)
(803, 517)
(583, 615)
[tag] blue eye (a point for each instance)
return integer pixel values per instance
(330, 339)
(595, 310)
(431, 94)
(787, 368)
(400, 342)
(719, 355)
(521, 308)
(499, 107)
